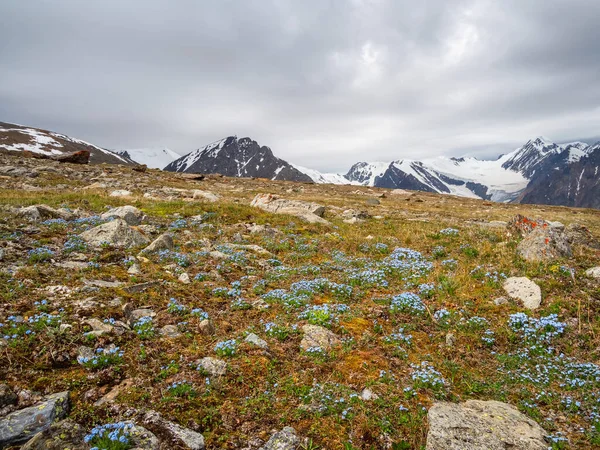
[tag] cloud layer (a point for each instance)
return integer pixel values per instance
(323, 82)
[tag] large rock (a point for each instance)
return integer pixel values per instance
(20, 426)
(176, 434)
(577, 234)
(116, 233)
(285, 439)
(163, 242)
(482, 425)
(37, 213)
(205, 195)
(7, 396)
(316, 336)
(311, 212)
(544, 244)
(525, 290)
(128, 213)
(594, 272)
(62, 435)
(80, 157)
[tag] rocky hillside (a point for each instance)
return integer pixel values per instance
(575, 184)
(235, 157)
(160, 310)
(17, 138)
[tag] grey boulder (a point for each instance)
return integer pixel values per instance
(544, 244)
(482, 425)
(285, 439)
(163, 242)
(21, 425)
(525, 290)
(129, 214)
(116, 233)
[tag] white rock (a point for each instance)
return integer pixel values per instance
(255, 340)
(316, 336)
(594, 272)
(213, 366)
(116, 233)
(184, 278)
(525, 290)
(205, 195)
(120, 193)
(308, 211)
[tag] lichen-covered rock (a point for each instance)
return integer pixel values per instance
(256, 341)
(129, 214)
(285, 439)
(21, 425)
(525, 290)
(544, 244)
(213, 366)
(205, 195)
(116, 233)
(308, 211)
(37, 213)
(175, 433)
(62, 435)
(163, 242)
(318, 337)
(577, 234)
(482, 425)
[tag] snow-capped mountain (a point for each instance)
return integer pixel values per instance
(365, 173)
(235, 157)
(18, 138)
(574, 184)
(155, 158)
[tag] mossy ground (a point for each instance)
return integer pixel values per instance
(316, 394)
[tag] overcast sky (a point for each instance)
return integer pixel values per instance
(323, 83)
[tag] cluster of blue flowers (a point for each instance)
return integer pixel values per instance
(144, 327)
(332, 399)
(544, 329)
(426, 376)
(103, 358)
(368, 278)
(399, 338)
(174, 307)
(226, 348)
(200, 313)
(116, 436)
(40, 254)
(407, 302)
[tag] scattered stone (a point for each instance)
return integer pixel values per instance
(7, 396)
(577, 234)
(103, 284)
(544, 244)
(368, 395)
(594, 272)
(80, 157)
(177, 434)
(134, 269)
(525, 290)
(255, 340)
(133, 315)
(38, 213)
(450, 339)
(317, 336)
(205, 195)
(141, 287)
(170, 331)
(500, 301)
(163, 242)
(184, 278)
(482, 425)
(251, 247)
(373, 201)
(96, 185)
(285, 439)
(114, 392)
(206, 327)
(142, 168)
(311, 212)
(129, 214)
(116, 233)
(355, 214)
(213, 366)
(98, 327)
(21, 425)
(120, 193)
(63, 435)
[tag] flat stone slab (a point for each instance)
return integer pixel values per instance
(524, 290)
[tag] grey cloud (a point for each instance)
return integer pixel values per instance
(324, 83)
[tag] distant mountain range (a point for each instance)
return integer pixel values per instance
(541, 171)
(18, 138)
